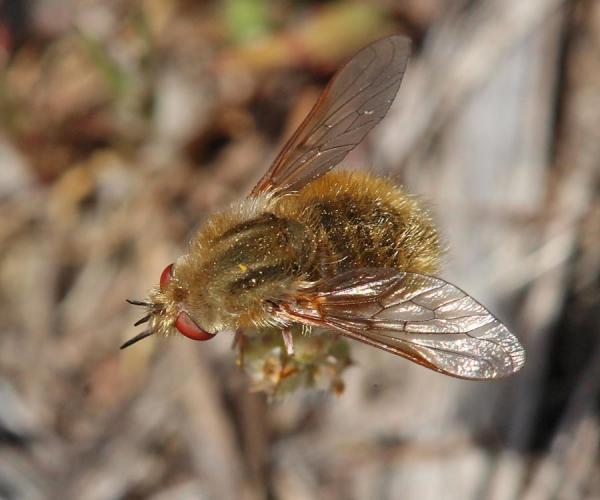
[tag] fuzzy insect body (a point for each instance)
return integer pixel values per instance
(348, 253)
(262, 249)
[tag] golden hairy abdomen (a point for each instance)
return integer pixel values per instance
(357, 220)
(261, 248)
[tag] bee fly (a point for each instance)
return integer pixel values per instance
(348, 253)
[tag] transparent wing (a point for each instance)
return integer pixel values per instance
(422, 318)
(355, 100)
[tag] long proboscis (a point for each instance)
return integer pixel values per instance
(137, 338)
(145, 333)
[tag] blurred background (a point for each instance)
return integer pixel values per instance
(124, 123)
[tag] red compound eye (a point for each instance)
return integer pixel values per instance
(190, 329)
(166, 276)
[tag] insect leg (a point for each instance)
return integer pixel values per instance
(288, 341)
(239, 342)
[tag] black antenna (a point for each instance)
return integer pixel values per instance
(139, 303)
(142, 320)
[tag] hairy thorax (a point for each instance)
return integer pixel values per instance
(261, 249)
